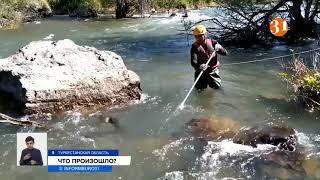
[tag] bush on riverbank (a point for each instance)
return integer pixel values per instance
(13, 12)
(305, 82)
(180, 4)
(9, 18)
(79, 8)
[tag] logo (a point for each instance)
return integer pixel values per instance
(278, 27)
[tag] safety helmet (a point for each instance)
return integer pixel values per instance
(199, 30)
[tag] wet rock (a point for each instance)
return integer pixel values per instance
(282, 164)
(273, 171)
(51, 76)
(283, 137)
(217, 128)
(173, 14)
(288, 160)
(213, 129)
(108, 119)
(311, 166)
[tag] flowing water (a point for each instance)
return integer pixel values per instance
(151, 132)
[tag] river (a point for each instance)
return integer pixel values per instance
(151, 132)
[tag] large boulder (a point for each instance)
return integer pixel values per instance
(49, 76)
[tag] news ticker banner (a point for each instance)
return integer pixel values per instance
(85, 160)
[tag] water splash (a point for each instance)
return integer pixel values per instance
(163, 152)
(175, 175)
(50, 36)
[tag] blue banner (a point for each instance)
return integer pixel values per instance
(80, 168)
(83, 152)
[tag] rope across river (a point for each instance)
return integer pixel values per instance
(272, 58)
(181, 106)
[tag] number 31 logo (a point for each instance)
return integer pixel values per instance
(278, 27)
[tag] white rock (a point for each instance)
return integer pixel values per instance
(47, 76)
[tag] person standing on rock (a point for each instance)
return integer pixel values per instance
(201, 51)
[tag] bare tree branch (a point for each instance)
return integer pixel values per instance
(11, 120)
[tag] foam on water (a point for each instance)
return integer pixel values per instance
(50, 36)
(193, 16)
(305, 140)
(5, 153)
(196, 15)
(162, 153)
(317, 138)
(74, 117)
(175, 175)
(218, 153)
(215, 157)
(145, 98)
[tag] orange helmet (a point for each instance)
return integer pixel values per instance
(199, 30)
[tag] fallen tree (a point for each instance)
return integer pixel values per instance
(13, 121)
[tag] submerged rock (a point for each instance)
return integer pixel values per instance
(213, 129)
(49, 76)
(217, 128)
(311, 166)
(283, 137)
(286, 161)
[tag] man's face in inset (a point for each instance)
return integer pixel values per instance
(30, 144)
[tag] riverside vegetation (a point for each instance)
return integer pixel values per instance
(15, 12)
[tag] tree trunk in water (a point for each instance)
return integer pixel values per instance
(121, 9)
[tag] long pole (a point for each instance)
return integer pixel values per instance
(181, 106)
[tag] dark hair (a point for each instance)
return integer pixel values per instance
(29, 138)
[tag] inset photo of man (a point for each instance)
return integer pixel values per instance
(32, 149)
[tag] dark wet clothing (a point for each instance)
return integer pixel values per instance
(209, 78)
(35, 155)
(200, 54)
